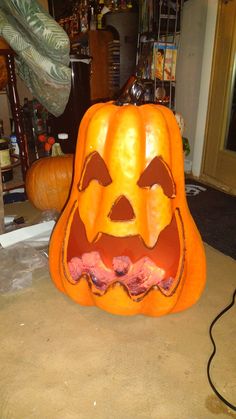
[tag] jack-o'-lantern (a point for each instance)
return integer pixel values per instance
(126, 241)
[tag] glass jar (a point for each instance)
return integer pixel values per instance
(5, 160)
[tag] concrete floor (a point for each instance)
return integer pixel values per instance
(63, 361)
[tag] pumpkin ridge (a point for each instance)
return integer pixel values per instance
(97, 144)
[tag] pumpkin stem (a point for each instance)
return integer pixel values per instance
(132, 92)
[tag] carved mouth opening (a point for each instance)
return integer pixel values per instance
(126, 260)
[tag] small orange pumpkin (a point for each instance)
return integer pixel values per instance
(126, 241)
(48, 182)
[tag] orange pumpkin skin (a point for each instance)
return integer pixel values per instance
(129, 138)
(48, 182)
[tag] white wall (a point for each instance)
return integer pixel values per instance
(204, 86)
(189, 65)
(194, 72)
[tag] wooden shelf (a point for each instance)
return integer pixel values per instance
(15, 162)
(97, 45)
(98, 49)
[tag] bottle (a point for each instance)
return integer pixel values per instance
(5, 157)
(99, 14)
(116, 5)
(75, 23)
(15, 151)
(110, 4)
(63, 140)
(5, 160)
(123, 5)
(92, 23)
(84, 16)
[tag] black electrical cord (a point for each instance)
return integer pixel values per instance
(233, 407)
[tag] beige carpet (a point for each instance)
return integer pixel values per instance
(63, 361)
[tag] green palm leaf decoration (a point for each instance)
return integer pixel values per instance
(42, 49)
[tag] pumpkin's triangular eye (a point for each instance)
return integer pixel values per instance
(94, 168)
(157, 172)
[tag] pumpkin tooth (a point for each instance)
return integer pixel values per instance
(149, 239)
(137, 277)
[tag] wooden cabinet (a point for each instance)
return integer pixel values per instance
(98, 49)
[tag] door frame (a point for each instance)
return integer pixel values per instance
(218, 164)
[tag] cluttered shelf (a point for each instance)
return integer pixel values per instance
(10, 163)
(159, 33)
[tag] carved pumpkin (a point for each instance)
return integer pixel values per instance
(48, 182)
(126, 241)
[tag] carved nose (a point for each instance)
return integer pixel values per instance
(121, 210)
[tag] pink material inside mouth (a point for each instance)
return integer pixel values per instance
(138, 277)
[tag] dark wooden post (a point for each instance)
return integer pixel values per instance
(16, 113)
